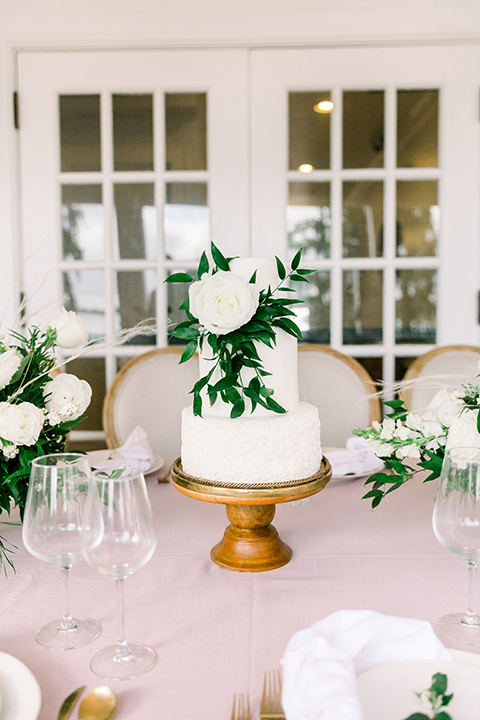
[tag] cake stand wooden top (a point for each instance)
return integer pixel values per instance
(228, 494)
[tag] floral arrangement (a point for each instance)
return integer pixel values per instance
(434, 700)
(36, 410)
(228, 315)
(451, 420)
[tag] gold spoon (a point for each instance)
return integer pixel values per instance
(98, 704)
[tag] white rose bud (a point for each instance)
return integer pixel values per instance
(223, 302)
(9, 363)
(67, 390)
(71, 330)
(20, 424)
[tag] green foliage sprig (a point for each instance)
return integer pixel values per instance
(234, 351)
(400, 472)
(437, 698)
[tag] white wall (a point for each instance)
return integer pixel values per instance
(138, 23)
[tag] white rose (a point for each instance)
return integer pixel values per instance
(9, 364)
(71, 330)
(20, 424)
(223, 302)
(67, 395)
(444, 407)
(463, 433)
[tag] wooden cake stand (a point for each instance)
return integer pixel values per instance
(250, 543)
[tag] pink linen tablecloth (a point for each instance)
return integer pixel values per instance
(216, 631)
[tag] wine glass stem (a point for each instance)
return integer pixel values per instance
(471, 615)
(67, 622)
(122, 650)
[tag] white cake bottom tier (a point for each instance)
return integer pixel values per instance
(251, 450)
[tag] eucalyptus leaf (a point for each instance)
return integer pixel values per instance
(179, 277)
(189, 351)
(203, 266)
(218, 258)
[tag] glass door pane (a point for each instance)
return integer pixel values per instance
(379, 190)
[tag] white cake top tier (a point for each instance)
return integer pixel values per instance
(280, 361)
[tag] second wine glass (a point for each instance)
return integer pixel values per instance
(456, 523)
(119, 538)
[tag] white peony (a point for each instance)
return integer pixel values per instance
(444, 407)
(71, 330)
(67, 397)
(9, 363)
(20, 424)
(223, 302)
(464, 434)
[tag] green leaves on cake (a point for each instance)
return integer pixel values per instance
(226, 317)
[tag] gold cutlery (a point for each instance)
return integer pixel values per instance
(98, 704)
(69, 703)
(241, 707)
(271, 706)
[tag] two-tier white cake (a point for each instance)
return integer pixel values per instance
(263, 446)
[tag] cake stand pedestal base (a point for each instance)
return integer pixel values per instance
(250, 543)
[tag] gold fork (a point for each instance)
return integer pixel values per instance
(241, 707)
(271, 706)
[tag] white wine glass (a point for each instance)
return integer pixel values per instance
(52, 525)
(119, 538)
(456, 523)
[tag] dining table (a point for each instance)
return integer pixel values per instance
(216, 631)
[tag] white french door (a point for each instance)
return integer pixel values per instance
(131, 162)
(381, 189)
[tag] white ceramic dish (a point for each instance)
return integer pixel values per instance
(100, 455)
(388, 690)
(19, 690)
(352, 476)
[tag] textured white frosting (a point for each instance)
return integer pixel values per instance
(252, 450)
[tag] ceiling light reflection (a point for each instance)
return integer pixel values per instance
(325, 106)
(305, 168)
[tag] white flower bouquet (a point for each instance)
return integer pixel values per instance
(451, 420)
(36, 410)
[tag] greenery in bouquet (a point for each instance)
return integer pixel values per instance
(37, 410)
(227, 317)
(409, 442)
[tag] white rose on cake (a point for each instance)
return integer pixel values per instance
(223, 302)
(20, 424)
(71, 330)
(67, 397)
(9, 363)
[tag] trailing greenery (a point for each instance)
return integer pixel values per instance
(234, 351)
(400, 472)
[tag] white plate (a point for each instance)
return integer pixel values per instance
(19, 690)
(351, 476)
(100, 455)
(388, 690)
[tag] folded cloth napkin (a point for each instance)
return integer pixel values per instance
(319, 681)
(358, 458)
(135, 451)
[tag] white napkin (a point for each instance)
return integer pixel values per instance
(357, 458)
(135, 451)
(319, 681)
